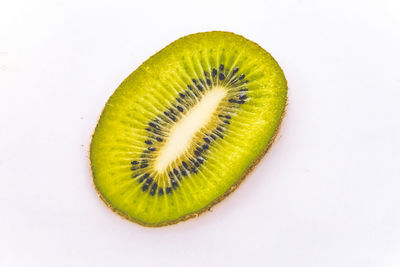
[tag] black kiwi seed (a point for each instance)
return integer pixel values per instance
(195, 93)
(145, 187)
(220, 135)
(144, 177)
(198, 151)
(153, 131)
(172, 111)
(151, 124)
(168, 190)
(214, 72)
(159, 139)
(221, 67)
(184, 173)
(174, 183)
(208, 82)
(148, 142)
(206, 140)
(235, 70)
(180, 108)
(153, 189)
(242, 96)
(135, 162)
(185, 164)
(160, 191)
(205, 147)
(200, 160)
(182, 95)
(200, 88)
(221, 76)
(241, 77)
(151, 148)
(194, 80)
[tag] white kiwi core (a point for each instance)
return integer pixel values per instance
(184, 130)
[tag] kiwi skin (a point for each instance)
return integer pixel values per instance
(215, 201)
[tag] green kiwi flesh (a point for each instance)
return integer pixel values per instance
(183, 130)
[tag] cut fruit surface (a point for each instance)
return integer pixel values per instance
(183, 129)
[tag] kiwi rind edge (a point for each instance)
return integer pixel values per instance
(212, 203)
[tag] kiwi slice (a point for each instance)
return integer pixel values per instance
(182, 131)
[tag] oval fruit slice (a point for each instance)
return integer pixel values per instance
(183, 130)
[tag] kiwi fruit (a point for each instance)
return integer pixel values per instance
(183, 130)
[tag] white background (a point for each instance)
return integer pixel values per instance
(326, 194)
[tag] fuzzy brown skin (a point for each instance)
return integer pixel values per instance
(211, 204)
